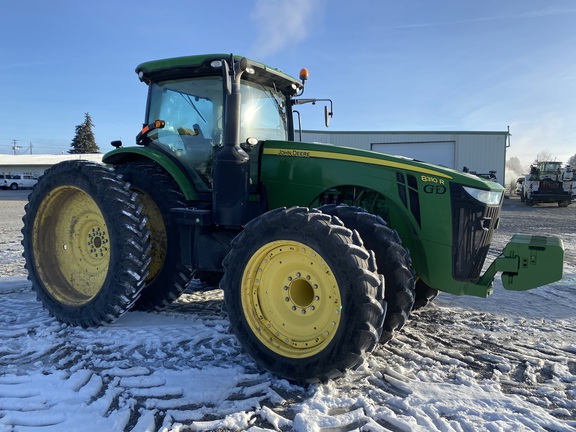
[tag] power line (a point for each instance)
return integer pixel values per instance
(10, 146)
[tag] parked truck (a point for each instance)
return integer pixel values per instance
(549, 182)
(321, 251)
(17, 181)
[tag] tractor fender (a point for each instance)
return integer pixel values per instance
(140, 154)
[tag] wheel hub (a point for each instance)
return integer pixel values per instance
(301, 293)
(97, 239)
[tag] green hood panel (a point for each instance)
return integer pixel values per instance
(364, 157)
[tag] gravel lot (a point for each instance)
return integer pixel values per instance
(11, 212)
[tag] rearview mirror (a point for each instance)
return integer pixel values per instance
(327, 115)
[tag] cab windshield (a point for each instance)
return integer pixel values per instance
(551, 166)
(193, 112)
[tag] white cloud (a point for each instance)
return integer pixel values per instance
(282, 23)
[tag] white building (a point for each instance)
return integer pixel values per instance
(35, 165)
(480, 152)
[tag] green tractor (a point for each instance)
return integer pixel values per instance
(321, 251)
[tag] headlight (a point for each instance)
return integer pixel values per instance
(484, 196)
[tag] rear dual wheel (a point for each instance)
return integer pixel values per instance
(85, 243)
(157, 192)
(301, 294)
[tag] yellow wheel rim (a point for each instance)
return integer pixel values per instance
(291, 299)
(71, 246)
(158, 236)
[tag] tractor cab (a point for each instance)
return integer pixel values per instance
(189, 115)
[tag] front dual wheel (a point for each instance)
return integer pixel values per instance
(392, 259)
(301, 294)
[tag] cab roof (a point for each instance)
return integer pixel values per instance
(200, 65)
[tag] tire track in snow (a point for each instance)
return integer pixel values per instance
(145, 369)
(183, 367)
(483, 347)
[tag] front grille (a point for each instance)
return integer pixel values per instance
(472, 230)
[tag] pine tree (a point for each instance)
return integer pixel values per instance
(84, 141)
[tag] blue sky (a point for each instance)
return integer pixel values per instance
(411, 65)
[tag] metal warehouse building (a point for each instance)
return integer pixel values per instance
(480, 152)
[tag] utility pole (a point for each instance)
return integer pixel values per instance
(15, 148)
(30, 148)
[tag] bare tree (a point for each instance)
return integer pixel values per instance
(544, 155)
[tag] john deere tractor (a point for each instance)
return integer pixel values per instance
(321, 251)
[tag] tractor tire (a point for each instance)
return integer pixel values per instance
(424, 295)
(158, 193)
(86, 244)
(299, 290)
(392, 259)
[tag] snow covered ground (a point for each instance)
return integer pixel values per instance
(506, 363)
